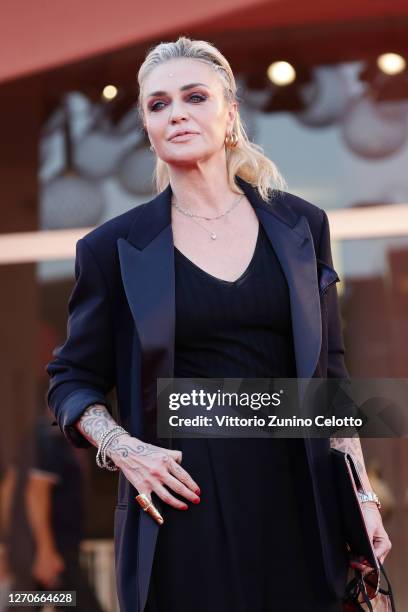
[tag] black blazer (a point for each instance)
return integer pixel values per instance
(121, 334)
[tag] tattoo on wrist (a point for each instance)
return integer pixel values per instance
(94, 421)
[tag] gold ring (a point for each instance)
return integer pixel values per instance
(144, 501)
(148, 506)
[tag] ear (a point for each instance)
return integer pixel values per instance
(232, 113)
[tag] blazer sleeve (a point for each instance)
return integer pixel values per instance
(336, 367)
(341, 397)
(83, 369)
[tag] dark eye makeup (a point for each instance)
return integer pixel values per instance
(154, 106)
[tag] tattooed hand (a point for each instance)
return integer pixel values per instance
(146, 466)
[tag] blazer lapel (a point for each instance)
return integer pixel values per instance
(147, 268)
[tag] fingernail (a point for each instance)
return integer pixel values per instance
(184, 508)
(197, 491)
(196, 501)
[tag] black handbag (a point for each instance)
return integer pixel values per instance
(363, 592)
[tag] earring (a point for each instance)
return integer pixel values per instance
(231, 140)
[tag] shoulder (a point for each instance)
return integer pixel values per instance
(299, 207)
(106, 234)
(101, 243)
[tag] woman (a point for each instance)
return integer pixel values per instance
(223, 274)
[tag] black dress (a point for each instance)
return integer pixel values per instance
(251, 545)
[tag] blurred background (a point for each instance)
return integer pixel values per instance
(323, 88)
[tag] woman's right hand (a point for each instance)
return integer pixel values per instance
(153, 468)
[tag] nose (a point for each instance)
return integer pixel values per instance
(178, 113)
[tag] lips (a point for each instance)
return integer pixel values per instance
(182, 133)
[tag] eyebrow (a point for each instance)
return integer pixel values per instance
(183, 88)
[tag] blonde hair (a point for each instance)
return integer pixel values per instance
(247, 159)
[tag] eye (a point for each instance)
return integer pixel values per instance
(195, 96)
(198, 97)
(153, 107)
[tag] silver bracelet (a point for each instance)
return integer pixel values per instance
(369, 496)
(105, 440)
(101, 460)
(105, 434)
(108, 440)
(105, 461)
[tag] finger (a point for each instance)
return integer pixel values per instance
(168, 498)
(176, 455)
(155, 514)
(182, 475)
(149, 507)
(180, 488)
(381, 548)
(382, 556)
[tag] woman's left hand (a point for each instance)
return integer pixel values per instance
(378, 536)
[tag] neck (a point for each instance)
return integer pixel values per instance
(202, 189)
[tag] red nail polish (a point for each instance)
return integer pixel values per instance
(197, 492)
(196, 501)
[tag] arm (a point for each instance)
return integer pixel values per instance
(83, 369)
(38, 500)
(7, 488)
(94, 421)
(372, 517)
(48, 563)
(336, 368)
(83, 372)
(352, 446)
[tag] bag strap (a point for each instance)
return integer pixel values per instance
(387, 592)
(356, 587)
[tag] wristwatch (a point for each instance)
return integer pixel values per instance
(369, 496)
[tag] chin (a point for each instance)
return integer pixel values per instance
(183, 160)
(190, 158)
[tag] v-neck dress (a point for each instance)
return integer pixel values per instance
(251, 544)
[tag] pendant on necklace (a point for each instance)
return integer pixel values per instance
(213, 236)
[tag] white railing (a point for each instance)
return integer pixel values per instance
(98, 558)
(365, 222)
